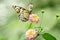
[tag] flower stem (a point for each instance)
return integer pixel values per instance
(41, 20)
(40, 27)
(30, 26)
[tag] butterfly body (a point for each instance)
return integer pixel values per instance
(23, 14)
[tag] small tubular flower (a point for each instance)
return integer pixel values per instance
(31, 34)
(34, 18)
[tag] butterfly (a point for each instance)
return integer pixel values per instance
(23, 13)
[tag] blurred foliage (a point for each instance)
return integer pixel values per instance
(11, 28)
(48, 36)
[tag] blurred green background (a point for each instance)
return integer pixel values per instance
(11, 28)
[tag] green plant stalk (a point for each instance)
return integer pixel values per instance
(30, 26)
(40, 27)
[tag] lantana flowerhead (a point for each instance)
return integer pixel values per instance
(34, 18)
(31, 34)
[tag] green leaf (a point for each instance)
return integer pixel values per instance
(48, 36)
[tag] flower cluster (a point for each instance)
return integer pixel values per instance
(34, 18)
(31, 34)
